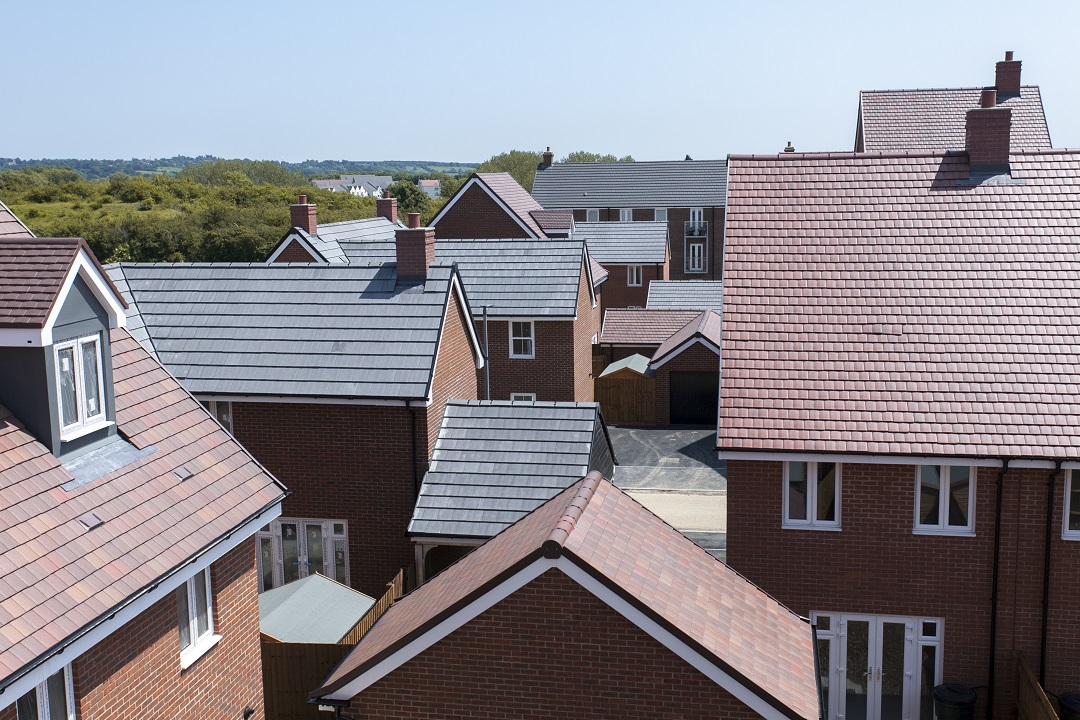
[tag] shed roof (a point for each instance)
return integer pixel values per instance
(638, 326)
(292, 330)
(496, 461)
(676, 184)
(934, 120)
(891, 304)
(635, 363)
(593, 528)
(625, 243)
(314, 609)
(685, 295)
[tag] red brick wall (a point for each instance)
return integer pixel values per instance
(475, 214)
(550, 650)
(696, 358)
(135, 672)
(344, 461)
(877, 565)
(586, 326)
(294, 252)
(455, 369)
(617, 294)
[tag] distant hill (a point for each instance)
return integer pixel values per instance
(95, 169)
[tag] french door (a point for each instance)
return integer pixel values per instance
(695, 257)
(879, 667)
(290, 549)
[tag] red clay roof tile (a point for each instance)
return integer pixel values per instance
(639, 326)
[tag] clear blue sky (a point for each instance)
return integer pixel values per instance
(464, 80)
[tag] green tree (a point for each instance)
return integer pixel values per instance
(260, 172)
(410, 198)
(584, 156)
(521, 164)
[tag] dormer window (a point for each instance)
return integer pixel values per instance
(79, 386)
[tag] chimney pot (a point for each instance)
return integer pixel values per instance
(1008, 55)
(414, 220)
(988, 99)
(303, 199)
(790, 148)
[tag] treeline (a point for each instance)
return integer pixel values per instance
(224, 211)
(102, 169)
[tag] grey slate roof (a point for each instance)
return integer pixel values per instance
(676, 184)
(361, 241)
(290, 330)
(314, 609)
(625, 243)
(685, 295)
(328, 249)
(496, 461)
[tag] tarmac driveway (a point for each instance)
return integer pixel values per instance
(674, 473)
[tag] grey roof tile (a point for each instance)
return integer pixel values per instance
(678, 183)
(685, 295)
(625, 243)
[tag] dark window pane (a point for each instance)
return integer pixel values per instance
(929, 628)
(266, 556)
(927, 681)
(959, 489)
(68, 403)
(56, 689)
(823, 665)
(202, 610)
(339, 561)
(929, 495)
(26, 706)
(824, 622)
(1074, 502)
(826, 492)
(290, 551)
(91, 389)
(315, 549)
(796, 491)
(183, 615)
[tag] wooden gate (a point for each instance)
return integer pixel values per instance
(291, 671)
(627, 399)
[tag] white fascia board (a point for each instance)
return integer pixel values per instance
(498, 201)
(463, 306)
(21, 337)
(678, 351)
(668, 640)
(304, 400)
(132, 610)
(859, 459)
(444, 628)
(317, 258)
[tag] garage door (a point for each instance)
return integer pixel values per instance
(694, 397)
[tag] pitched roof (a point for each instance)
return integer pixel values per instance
(360, 241)
(554, 222)
(11, 225)
(594, 528)
(514, 196)
(314, 609)
(292, 330)
(705, 327)
(678, 183)
(61, 578)
(636, 363)
(496, 461)
(599, 272)
(425, 182)
(685, 295)
(889, 304)
(625, 243)
(32, 274)
(934, 120)
(636, 326)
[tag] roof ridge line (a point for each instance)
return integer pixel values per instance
(553, 546)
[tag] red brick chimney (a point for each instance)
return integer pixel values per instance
(549, 157)
(303, 216)
(415, 249)
(386, 207)
(1008, 76)
(987, 134)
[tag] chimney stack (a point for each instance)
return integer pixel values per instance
(1008, 76)
(415, 250)
(549, 157)
(303, 216)
(987, 135)
(386, 207)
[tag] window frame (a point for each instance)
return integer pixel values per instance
(85, 423)
(1066, 533)
(214, 407)
(41, 692)
(656, 213)
(272, 533)
(687, 255)
(626, 214)
(522, 397)
(590, 213)
(633, 272)
(198, 645)
(531, 337)
(811, 522)
(944, 489)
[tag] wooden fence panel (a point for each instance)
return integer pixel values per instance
(291, 671)
(1031, 700)
(627, 401)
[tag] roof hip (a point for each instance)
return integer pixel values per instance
(553, 546)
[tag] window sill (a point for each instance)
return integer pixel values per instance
(75, 433)
(189, 655)
(825, 528)
(1072, 536)
(522, 357)
(947, 532)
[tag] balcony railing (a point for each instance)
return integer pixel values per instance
(695, 228)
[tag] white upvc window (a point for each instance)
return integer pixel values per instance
(660, 214)
(626, 215)
(523, 397)
(812, 495)
(80, 388)
(221, 410)
(633, 276)
(1070, 523)
(53, 699)
(522, 343)
(195, 617)
(945, 499)
(697, 217)
(592, 215)
(293, 548)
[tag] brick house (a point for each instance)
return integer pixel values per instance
(689, 195)
(589, 602)
(494, 462)
(933, 120)
(334, 377)
(334, 243)
(127, 513)
(898, 413)
(633, 254)
(636, 331)
(494, 205)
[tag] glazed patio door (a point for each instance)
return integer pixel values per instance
(875, 655)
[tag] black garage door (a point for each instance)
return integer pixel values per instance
(694, 396)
